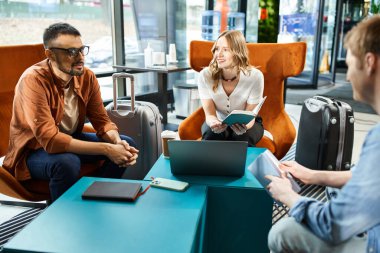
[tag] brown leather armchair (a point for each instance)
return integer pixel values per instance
(276, 62)
(13, 61)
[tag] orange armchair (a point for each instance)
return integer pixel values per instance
(276, 62)
(13, 61)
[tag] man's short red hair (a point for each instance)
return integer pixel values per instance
(364, 38)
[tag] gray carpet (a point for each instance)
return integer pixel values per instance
(11, 227)
(344, 94)
(341, 90)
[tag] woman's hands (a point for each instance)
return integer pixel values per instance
(218, 127)
(239, 129)
(215, 124)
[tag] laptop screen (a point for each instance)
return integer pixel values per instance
(208, 158)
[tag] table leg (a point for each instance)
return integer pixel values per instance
(162, 91)
(237, 220)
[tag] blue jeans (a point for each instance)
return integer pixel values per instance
(62, 169)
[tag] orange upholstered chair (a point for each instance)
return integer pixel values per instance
(14, 61)
(276, 62)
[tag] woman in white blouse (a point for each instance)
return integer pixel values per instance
(230, 83)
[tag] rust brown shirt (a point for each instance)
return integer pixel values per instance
(38, 109)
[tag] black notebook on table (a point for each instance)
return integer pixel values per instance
(121, 191)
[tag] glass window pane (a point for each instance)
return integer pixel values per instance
(193, 18)
(160, 24)
(106, 88)
(328, 27)
(23, 22)
(225, 7)
(298, 22)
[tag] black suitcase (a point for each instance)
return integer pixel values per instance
(141, 121)
(325, 134)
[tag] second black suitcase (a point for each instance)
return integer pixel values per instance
(325, 134)
(141, 121)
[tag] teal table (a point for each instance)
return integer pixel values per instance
(238, 212)
(159, 221)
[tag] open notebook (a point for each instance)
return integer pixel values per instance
(242, 116)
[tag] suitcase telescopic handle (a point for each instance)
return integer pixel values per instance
(324, 99)
(115, 76)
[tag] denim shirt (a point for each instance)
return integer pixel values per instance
(356, 209)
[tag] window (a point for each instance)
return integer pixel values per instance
(159, 22)
(23, 22)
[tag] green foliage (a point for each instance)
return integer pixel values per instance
(268, 28)
(375, 7)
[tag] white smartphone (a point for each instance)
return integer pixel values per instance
(169, 184)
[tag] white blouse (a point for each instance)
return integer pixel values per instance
(249, 90)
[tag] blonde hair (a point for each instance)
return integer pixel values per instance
(364, 38)
(238, 47)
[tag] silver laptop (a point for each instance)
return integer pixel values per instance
(208, 158)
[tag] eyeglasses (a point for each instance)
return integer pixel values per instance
(73, 52)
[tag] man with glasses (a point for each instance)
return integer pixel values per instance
(52, 100)
(349, 222)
